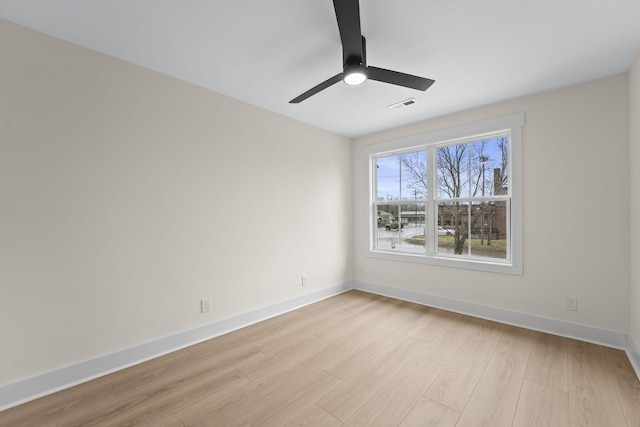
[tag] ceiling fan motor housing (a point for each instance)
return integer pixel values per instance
(354, 74)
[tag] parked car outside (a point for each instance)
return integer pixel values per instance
(393, 226)
(445, 231)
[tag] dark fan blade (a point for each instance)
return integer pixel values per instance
(348, 16)
(322, 86)
(400, 79)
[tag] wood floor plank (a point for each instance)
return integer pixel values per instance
(627, 385)
(301, 327)
(287, 377)
(346, 337)
(238, 337)
(352, 361)
(353, 339)
(405, 318)
(593, 399)
(145, 380)
(359, 333)
(430, 322)
(49, 410)
(312, 355)
(302, 333)
(32, 420)
(337, 306)
(273, 402)
(548, 361)
(391, 404)
(433, 322)
(238, 400)
(452, 333)
(314, 416)
(356, 389)
(515, 342)
(148, 366)
(388, 317)
(292, 397)
(372, 306)
(540, 405)
(458, 379)
(495, 398)
(432, 414)
(161, 405)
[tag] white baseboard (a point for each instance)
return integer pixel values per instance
(556, 327)
(42, 385)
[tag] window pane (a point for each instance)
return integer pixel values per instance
(387, 235)
(499, 164)
(488, 224)
(402, 176)
(453, 170)
(414, 175)
(479, 229)
(489, 230)
(453, 230)
(478, 164)
(489, 167)
(479, 232)
(388, 178)
(413, 218)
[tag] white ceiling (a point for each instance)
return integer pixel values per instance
(266, 52)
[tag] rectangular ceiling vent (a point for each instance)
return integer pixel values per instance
(402, 104)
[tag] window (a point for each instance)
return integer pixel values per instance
(449, 198)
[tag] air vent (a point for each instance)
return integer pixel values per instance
(402, 104)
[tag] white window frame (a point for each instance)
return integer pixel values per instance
(511, 124)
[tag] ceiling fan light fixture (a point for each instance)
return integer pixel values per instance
(354, 75)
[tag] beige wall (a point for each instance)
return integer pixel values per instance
(576, 241)
(127, 196)
(634, 163)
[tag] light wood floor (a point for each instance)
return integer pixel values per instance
(360, 359)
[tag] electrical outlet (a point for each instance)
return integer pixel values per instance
(305, 280)
(571, 303)
(205, 305)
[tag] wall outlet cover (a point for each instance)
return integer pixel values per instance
(571, 303)
(205, 305)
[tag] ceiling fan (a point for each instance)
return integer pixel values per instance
(354, 55)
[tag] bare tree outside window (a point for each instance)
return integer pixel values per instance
(416, 166)
(462, 173)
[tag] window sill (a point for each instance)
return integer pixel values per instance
(445, 261)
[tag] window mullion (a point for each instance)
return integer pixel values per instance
(373, 213)
(431, 222)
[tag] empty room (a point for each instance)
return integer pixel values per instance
(326, 213)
